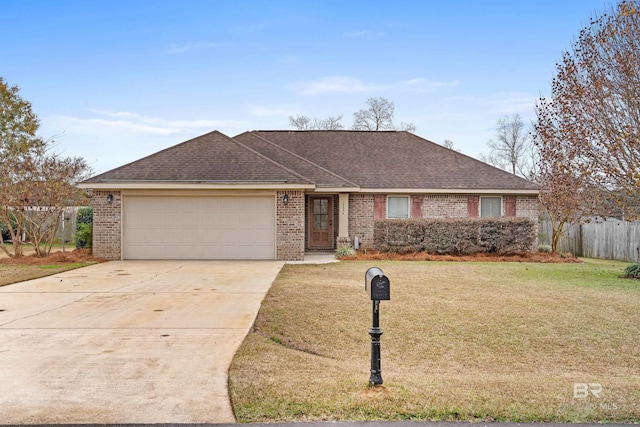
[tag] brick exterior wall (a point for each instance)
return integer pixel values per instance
(444, 206)
(107, 225)
(528, 206)
(291, 219)
(290, 226)
(361, 218)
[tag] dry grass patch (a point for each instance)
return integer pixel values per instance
(14, 270)
(462, 341)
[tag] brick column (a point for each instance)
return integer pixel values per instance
(290, 226)
(107, 224)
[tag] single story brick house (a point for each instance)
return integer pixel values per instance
(277, 194)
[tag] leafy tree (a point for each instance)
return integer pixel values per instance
(18, 142)
(35, 185)
(511, 149)
(590, 125)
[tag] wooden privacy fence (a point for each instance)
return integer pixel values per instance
(610, 239)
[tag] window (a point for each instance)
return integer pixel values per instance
(490, 206)
(398, 207)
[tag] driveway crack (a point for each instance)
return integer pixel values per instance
(47, 311)
(149, 279)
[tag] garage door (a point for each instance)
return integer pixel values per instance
(199, 227)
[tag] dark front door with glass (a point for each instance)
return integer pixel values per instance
(320, 222)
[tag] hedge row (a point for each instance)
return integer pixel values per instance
(455, 236)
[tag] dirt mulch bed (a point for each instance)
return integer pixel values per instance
(542, 257)
(67, 257)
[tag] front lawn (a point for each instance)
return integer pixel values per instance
(13, 270)
(462, 341)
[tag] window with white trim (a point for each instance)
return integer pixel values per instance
(397, 207)
(490, 206)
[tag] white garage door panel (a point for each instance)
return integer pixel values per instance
(199, 227)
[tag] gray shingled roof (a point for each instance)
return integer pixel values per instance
(213, 157)
(320, 176)
(374, 160)
(391, 160)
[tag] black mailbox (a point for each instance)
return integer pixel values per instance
(377, 285)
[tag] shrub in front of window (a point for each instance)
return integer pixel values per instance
(455, 236)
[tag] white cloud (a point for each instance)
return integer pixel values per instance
(343, 84)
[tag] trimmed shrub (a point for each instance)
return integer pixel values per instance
(455, 236)
(84, 228)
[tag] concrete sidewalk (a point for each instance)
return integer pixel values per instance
(383, 424)
(127, 341)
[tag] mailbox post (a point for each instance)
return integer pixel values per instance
(378, 287)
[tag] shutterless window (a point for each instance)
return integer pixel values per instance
(490, 206)
(398, 207)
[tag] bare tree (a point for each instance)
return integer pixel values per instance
(305, 123)
(590, 124)
(48, 189)
(407, 127)
(301, 122)
(378, 116)
(511, 148)
(449, 144)
(330, 123)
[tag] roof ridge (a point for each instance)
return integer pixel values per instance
(302, 158)
(270, 160)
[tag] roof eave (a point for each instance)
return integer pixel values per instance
(132, 185)
(508, 191)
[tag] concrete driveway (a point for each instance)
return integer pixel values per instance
(127, 341)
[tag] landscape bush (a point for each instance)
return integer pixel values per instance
(84, 228)
(455, 236)
(632, 271)
(345, 250)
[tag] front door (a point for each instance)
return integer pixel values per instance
(320, 222)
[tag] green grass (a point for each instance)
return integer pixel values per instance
(462, 341)
(11, 273)
(69, 266)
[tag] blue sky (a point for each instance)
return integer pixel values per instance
(123, 79)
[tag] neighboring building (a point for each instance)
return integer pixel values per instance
(277, 194)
